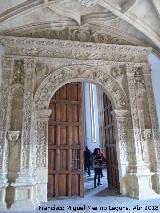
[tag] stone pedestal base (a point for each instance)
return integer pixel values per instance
(42, 174)
(3, 206)
(123, 178)
(141, 184)
(24, 205)
(156, 182)
(26, 197)
(3, 186)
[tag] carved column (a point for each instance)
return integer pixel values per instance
(155, 140)
(7, 66)
(121, 118)
(25, 185)
(139, 172)
(41, 160)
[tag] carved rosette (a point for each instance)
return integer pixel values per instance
(29, 67)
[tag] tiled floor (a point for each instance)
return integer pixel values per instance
(99, 199)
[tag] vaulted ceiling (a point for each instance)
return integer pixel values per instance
(134, 21)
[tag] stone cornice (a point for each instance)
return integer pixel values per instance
(37, 47)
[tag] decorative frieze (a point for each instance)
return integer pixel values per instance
(73, 49)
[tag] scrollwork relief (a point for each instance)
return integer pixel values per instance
(118, 71)
(47, 87)
(29, 66)
(123, 124)
(18, 72)
(41, 144)
(41, 71)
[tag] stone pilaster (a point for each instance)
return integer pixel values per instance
(26, 185)
(155, 140)
(41, 160)
(7, 66)
(13, 140)
(139, 172)
(121, 118)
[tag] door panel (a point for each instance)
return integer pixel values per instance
(65, 142)
(111, 154)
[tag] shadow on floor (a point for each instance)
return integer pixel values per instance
(106, 192)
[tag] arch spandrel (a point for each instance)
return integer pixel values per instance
(79, 73)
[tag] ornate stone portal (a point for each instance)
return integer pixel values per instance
(35, 69)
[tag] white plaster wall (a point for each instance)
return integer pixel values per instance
(89, 141)
(155, 63)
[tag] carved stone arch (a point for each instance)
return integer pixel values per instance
(42, 97)
(79, 73)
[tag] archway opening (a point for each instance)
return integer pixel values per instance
(81, 116)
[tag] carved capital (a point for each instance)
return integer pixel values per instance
(30, 64)
(13, 136)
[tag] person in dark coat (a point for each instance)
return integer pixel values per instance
(97, 165)
(87, 160)
(103, 161)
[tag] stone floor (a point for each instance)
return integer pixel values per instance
(99, 199)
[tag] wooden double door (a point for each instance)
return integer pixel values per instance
(110, 143)
(66, 143)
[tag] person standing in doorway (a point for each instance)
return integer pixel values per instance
(87, 161)
(97, 164)
(103, 161)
